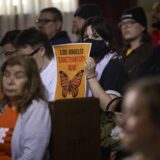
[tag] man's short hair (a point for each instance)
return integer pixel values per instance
(34, 37)
(9, 37)
(57, 15)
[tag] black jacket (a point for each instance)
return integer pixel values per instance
(60, 38)
(151, 67)
(136, 58)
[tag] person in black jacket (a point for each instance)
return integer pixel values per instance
(82, 13)
(133, 26)
(50, 21)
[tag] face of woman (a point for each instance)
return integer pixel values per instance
(99, 46)
(91, 34)
(139, 130)
(14, 80)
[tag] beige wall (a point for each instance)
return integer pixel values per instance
(147, 5)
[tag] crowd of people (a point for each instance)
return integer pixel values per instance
(28, 80)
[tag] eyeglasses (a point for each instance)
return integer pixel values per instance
(34, 52)
(44, 21)
(127, 23)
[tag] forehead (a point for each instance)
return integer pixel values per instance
(134, 100)
(27, 46)
(131, 96)
(8, 47)
(46, 15)
(90, 30)
(79, 18)
(15, 68)
(127, 20)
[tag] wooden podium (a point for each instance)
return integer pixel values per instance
(76, 129)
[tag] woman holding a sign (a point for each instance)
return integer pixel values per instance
(106, 75)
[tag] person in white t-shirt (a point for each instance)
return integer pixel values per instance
(35, 43)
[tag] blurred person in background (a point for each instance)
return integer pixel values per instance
(82, 13)
(7, 45)
(50, 21)
(138, 43)
(141, 119)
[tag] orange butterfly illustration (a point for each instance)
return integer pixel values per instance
(70, 86)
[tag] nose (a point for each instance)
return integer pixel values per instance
(10, 80)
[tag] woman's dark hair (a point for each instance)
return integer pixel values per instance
(101, 27)
(33, 88)
(150, 89)
(34, 38)
(146, 37)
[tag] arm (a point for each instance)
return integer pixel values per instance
(36, 133)
(94, 85)
(99, 93)
(111, 83)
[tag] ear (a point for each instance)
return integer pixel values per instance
(43, 51)
(58, 25)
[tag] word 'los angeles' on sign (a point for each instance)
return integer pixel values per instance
(71, 51)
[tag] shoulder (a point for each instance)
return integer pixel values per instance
(155, 56)
(49, 71)
(37, 106)
(122, 51)
(145, 49)
(115, 64)
(39, 103)
(60, 38)
(115, 75)
(36, 112)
